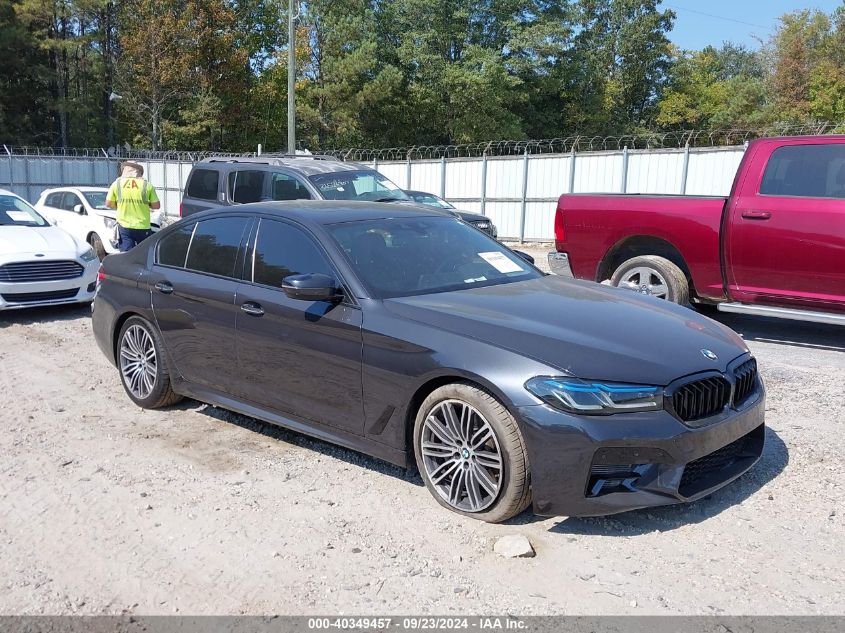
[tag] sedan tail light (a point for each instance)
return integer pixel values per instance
(100, 274)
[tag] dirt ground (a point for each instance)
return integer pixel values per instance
(105, 508)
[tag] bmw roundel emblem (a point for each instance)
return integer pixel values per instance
(709, 355)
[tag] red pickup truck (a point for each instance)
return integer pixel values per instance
(774, 247)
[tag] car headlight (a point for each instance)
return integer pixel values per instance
(109, 222)
(595, 398)
(89, 255)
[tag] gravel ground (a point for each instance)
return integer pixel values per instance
(105, 508)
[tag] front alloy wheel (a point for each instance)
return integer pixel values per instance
(461, 456)
(470, 453)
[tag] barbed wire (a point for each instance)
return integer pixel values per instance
(576, 143)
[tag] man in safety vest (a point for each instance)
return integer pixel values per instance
(133, 197)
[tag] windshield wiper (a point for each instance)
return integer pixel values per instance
(388, 200)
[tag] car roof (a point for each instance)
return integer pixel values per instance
(332, 211)
(307, 165)
(74, 188)
(6, 192)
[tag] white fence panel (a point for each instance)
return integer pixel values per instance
(655, 171)
(425, 176)
(712, 171)
(548, 176)
(463, 179)
(520, 206)
(598, 173)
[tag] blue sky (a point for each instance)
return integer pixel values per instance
(735, 20)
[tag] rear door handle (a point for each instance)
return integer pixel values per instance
(164, 287)
(252, 308)
(748, 214)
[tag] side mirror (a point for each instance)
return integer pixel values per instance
(524, 256)
(78, 208)
(311, 287)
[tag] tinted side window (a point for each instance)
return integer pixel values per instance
(54, 200)
(214, 248)
(203, 184)
(812, 171)
(282, 250)
(173, 248)
(246, 186)
(285, 187)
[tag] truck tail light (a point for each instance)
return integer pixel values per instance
(560, 231)
(101, 274)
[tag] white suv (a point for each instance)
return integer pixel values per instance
(82, 212)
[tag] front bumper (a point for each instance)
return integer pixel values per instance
(15, 296)
(559, 264)
(574, 457)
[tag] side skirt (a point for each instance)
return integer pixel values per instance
(312, 429)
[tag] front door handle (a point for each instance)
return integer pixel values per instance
(748, 214)
(164, 287)
(252, 308)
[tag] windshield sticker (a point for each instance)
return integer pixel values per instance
(475, 280)
(334, 184)
(501, 263)
(20, 216)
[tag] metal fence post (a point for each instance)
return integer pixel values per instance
(408, 170)
(625, 169)
(443, 177)
(165, 188)
(375, 163)
(524, 197)
(26, 176)
(11, 168)
(685, 172)
(483, 182)
(572, 171)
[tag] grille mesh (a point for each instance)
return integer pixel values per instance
(746, 379)
(701, 398)
(26, 272)
(712, 463)
(33, 297)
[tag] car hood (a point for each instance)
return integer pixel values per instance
(44, 239)
(581, 328)
(467, 216)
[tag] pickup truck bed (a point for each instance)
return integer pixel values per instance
(610, 229)
(775, 246)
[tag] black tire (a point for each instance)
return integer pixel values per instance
(161, 394)
(676, 281)
(514, 492)
(97, 244)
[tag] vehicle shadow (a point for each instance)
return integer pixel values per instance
(666, 518)
(303, 441)
(47, 314)
(783, 332)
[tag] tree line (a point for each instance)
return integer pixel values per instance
(211, 74)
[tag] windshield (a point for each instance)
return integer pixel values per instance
(96, 199)
(16, 212)
(366, 184)
(398, 257)
(430, 199)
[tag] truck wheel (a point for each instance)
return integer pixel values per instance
(654, 276)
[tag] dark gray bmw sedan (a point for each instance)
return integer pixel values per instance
(410, 336)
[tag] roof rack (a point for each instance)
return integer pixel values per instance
(268, 159)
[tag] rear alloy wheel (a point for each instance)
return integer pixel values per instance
(654, 276)
(143, 368)
(471, 455)
(97, 244)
